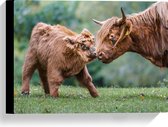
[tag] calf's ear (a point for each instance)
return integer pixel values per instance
(69, 40)
(71, 43)
(86, 32)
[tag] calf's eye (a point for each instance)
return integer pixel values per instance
(84, 47)
(83, 40)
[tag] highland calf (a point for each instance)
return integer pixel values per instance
(58, 53)
(145, 33)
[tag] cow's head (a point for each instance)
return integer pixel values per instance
(83, 44)
(113, 38)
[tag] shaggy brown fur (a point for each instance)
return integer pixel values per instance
(58, 53)
(145, 33)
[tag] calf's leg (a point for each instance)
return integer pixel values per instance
(54, 79)
(43, 77)
(29, 67)
(85, 79)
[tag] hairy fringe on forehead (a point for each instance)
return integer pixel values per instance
(104, 30)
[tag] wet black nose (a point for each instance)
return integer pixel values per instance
(93, 51)
(94, 54)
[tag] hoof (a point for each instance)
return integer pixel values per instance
(95, 95)
(25, 93)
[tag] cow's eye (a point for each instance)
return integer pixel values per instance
(112, 38)
(84, 47)
(113, 41)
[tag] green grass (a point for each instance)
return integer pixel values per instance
(78, 100)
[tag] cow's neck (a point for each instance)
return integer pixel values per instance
(147, 39)
(146, 44)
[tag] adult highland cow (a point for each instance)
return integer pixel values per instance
(58, 53)
(145, 33)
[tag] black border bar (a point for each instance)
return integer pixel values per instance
(9, 57)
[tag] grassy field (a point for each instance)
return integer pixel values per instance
(78, 100)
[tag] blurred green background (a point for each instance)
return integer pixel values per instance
(130, 70)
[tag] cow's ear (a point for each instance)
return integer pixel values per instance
(128, 27)
(126, 30)
(69, 40)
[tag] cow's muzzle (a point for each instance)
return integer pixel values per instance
(102, 56)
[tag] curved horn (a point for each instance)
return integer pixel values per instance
(122, 20)
(98, 22)
(123, 14)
